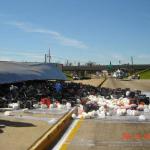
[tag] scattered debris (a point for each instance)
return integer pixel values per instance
(92, 102)
(8, 113)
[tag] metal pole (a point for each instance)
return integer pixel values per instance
(132, 60)
(49, 56)
(132, 63)
(45, 58)
(119, 62)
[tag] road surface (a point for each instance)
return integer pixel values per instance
(97, 134)
(143, 85)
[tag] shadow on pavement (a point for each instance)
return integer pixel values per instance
(1, 131)
(16, 124)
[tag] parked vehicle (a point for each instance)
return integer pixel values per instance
(136, 76)
(75, 77)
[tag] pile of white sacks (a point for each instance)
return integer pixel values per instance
(16, 106)
(53, 105)
(111, 107)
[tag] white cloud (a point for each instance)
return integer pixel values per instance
(117, 56)
(143, 56)
(20, 56)
(56, 35)
(5, 58)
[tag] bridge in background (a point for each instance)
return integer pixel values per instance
(83, 70)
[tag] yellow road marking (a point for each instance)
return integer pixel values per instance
(71, 135)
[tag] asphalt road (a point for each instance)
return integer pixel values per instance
(103, 135)
(97, 134)
(22, 129)
(143, 85)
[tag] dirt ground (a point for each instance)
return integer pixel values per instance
(93, 82)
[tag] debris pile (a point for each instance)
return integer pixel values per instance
(32, 92)
(128, 104)
(92, 102)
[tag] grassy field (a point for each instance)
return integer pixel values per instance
(145, 74)
(68, 75)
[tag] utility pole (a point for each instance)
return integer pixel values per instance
(132, 60)
(78, 63)
(45, 59)
(49, 56)
(132, 63)
(119, 62)
(67, 64)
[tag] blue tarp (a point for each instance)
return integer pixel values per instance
(16, 72)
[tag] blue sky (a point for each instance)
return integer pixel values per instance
(78, 30)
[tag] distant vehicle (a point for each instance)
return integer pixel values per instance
(136, 76)
(75, 77)
(119, 74)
